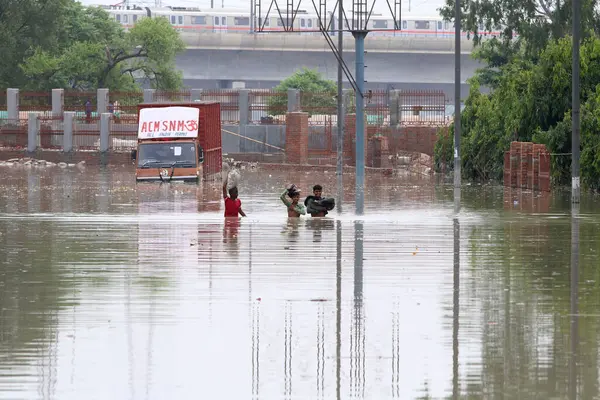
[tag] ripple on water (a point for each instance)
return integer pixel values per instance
(148, 288)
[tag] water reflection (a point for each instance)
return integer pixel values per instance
(149, 288)
(574, 301)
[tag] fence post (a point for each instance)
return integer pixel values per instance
(293, 100)
(33, 129)
(12, 103)
(104, 132)
(394, 107)
(149, 95)
(58, 102)
(69, 117)
(102, 97)
(196, 94)
(244, 106)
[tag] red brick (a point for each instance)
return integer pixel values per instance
(296, 138)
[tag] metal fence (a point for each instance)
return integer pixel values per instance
(267, 107)
(123, 135)
(86, 134)
(425, 107)
(75, 100)
(35, 101)
(124, 105)
(13, 133)
(51, 132)
(230, 103)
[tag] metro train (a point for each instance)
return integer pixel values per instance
(305, 23)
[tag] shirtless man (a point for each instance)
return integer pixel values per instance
(295, 209)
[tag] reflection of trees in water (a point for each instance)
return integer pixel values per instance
(520, 273)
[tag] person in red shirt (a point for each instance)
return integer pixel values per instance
(233, 205)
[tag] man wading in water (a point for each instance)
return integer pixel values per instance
(294, 208)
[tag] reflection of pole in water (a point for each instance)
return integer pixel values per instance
(338, 311)
(255, 351)
(357, 340)
(130, 351)
(287, 361)
(574, 303)
(255, 312)
(320, 350)
(396, 352)
(151, 311)
(455, 309)
(457, 199)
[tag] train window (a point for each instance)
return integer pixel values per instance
(217, 20)
(223, 21)
(118, 17)
(241, 21)
(303, 23)
(379, 24)
(280, 22)
(201, 20)
(180, 19)
(135, 17)
(439, 24)
(404, 24)
(310, 22)
(260, 21)
(125, 18)
(445, 25)
(173, 20)
(480, 26)
(421, 24)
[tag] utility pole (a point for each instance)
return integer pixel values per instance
(576, 123)
(457, 161)
(340, 110)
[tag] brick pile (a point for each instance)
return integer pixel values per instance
(527, 166)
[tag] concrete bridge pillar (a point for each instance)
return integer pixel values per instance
(244, 106)
(149, 95)
(104, 132)
(33, 129)
(69, 117)
(12, 103)
(294, 101)
(102, 95)
(58, 102)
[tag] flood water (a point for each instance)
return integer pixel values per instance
(112, 290)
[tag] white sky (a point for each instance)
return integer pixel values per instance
(417, 7)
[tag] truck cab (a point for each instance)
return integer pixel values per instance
(170, 142)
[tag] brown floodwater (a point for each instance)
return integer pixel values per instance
(115, 290)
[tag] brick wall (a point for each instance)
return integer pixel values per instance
(296, 138)
(527, 166)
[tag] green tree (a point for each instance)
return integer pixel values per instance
(96, 52)
(317, 97)
(532, 101)
(526, 27)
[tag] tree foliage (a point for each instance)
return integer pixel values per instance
(318, 93)
(532, 101)
(61, 44)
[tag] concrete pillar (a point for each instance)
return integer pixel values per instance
(395, 107)
(12, 103)
(102, 104)
(244, 106)
(294, 100)
(196, 94)
(69, 118)
(296, 138)
(104, 132)
(149, 95)
(58, 102)
(33, 129)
